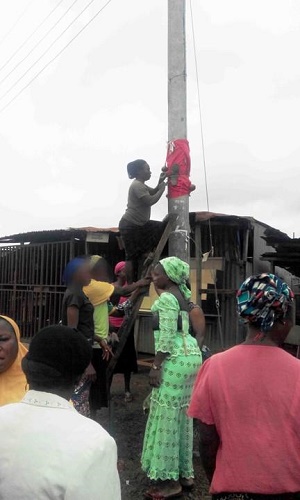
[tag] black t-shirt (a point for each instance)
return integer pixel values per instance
(76, 298)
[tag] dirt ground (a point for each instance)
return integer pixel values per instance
(127, 426)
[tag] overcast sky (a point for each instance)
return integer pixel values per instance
(66, 140)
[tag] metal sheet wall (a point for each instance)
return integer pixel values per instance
(240, 244)
(31, 286)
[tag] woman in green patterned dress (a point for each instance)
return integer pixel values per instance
(168, 442)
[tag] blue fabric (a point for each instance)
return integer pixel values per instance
(71, 268)
(263, 299)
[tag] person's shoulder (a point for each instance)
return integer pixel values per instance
(93, 284)
(89, 286)
(99, 285)
(288, 358)
(10, 408)
(68, 292)
(72, 291)
(94, 433)
(226, 355)
(138, 186)
(133, 185)
(246, 351)
(167, 299)
(12, 414)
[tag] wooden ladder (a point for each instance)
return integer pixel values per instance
(129, 320)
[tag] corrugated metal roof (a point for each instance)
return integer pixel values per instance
(217, 218)
(91, 229)
(51, 235)
(81, 232)
(203, 216)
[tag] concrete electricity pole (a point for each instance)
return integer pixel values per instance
(177, 119)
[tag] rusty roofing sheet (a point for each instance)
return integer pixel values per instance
(51, 235)
(217, 218)
(91, 229)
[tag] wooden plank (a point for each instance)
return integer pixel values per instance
(198, 257)
(128, 323)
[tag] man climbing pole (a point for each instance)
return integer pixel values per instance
(140, 235)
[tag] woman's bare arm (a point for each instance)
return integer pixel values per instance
(151, 199)
(155, 373)
(125, 291)
(73, 319)
(162, 177)
(72, 316)
(197, 319)
(209, 444)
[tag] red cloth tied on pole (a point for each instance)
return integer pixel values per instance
(178, 166)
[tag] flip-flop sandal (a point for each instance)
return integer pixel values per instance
(159, 495)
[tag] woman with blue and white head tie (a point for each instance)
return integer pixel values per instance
(262, 301)
(247, 400)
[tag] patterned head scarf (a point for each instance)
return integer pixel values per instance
(263, 299)
(177, 271)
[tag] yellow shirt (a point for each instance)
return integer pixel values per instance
(101, 321)
(99, 292)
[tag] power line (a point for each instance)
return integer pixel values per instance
(16, 22)
(30, 36)
(199, 106)
(217, 301)
(35, 46)
(56, 56)
(49, 47)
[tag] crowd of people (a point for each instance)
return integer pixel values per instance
(246, 399)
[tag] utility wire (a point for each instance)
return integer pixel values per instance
(30, 36)
(56, 56)
(34, 47)
(217, 301)
(48, 48)
(16, 22)
(200, 108)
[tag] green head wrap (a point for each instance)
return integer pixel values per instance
(177, 271)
